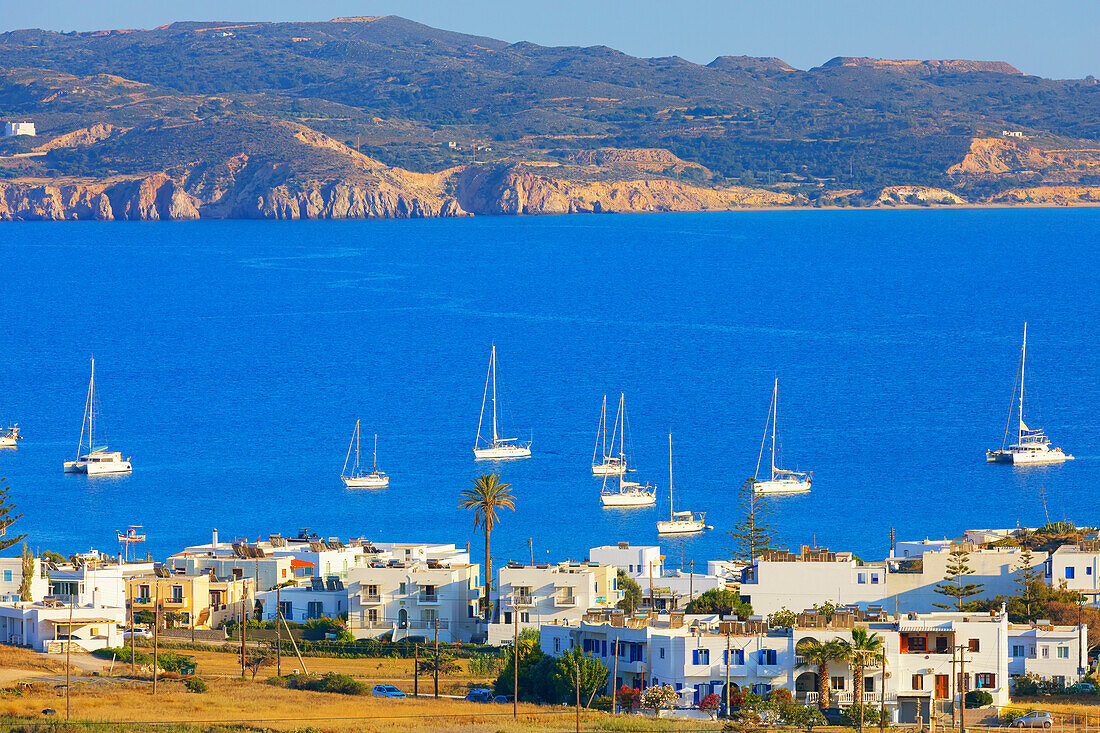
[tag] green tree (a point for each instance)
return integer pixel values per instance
(27, 575)
(720, 601)
(864, 649)
(530, 654)
(7, 519)
(592, 676)
(958, 567)
(484, 499)
(1027, 575)
(819, 655)
(632, 592)
(784, 618)
(753, 535)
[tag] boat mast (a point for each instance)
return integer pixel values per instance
(351, 443)
(775, 414)
(601, 432)
(622, 432)
(376, 452)
(493, 367)
(356, 447)
(484, 396)
(1023, 362)
(87, 409)
(671, 514)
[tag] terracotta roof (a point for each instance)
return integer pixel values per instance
(296, 563)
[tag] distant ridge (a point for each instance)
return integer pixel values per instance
(933, 66)
(750, 63)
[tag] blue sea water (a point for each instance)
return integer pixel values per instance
(233, 358)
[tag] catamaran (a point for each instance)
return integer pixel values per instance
(781, 481)
(98, 460)
(679, 522)
(609, 464)
(10, 437)
(629, 493)
(1032, 446)
(499, 448)
(357, 479)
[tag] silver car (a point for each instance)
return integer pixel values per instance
(1034, 719)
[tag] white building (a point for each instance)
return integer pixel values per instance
(415, 599)
(996, 568)
(422, 551)
(326, 556)
(1057, 653)
(781, 579)
(97, 581)
(272, 570)
(320, 598)
(545, 594)
(11, 577)
(637, 560)
(1076, 566)
(690, 653)
(11, 129)
(913, 549)
(44, 626)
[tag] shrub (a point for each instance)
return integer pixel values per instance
(804, 717)
(978, 699)
(629, 698)
(341, 683)
(1010, 714)
(196, 684)
(602, 702)
(659, 697)
(850, 717)
(709, 703)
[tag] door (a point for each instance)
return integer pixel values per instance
(942, 685)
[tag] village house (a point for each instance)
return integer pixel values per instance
(45, 626)
(94, 580)
(199, 601)
(11, 578)
(11, 129)
(318, 598)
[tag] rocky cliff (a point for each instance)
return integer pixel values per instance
(925, 68)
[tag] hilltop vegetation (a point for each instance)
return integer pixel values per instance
(190, 97)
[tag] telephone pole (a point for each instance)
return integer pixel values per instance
(727, 671)
(130, 612)
(578, 665)
(435, 672)
(962, 690)
(615, 676)
(652, 603)
(515, 662)
(278, 632)
(531, 548)
(416, 669)
(156, 629)
(68, 653)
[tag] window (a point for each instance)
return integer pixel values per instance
(942, 645)
(372, 590)
(1059, 680)
(1069, 573)
(507, 617)
(238, 572)
(1063, 652)
(734, 656)
(430, 615)
(7, 576)
(372, 615)
(1017, 650)
(868, 684)
(557, 645)
(603, 652)
(177, 594)
(525, 618)
(837, 683)
(314, 609)
(402, 589)
(286, 608)
(985, 680)
(874, 578)
(662, 653)
(143, 592)
(1045, 651)
(918, 682)
(918, 643)
(766, 657)
(972, 645)
(861, 577)
(698, 656)
(469, 611)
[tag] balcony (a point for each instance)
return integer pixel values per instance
(562, 600)
(521, 599)
(443, 624)
(427, 598)
(371, 599)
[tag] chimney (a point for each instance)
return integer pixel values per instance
(215, 540)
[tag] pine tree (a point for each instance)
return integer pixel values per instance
(28, 575)
(958, 566)
(753, 535)
(1027, 575)
(7, 519)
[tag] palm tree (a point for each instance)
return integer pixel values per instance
(819, 655)
(486, 496)
(863, 649)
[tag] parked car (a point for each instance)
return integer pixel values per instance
(137, 633)
(480, 695)
(1082, 688)
(1034, 719)
(833, 716)
(386, 691)
(503, 699)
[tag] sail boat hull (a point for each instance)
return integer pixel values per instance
(370, 481)
(502, 452)
(6, 442)
(782, 486)
(610, 467)
(681, 527)
(1027, 456)
(111, 463)
(633, 496)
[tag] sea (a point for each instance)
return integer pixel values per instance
(234, 357)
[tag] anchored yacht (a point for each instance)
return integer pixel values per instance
(498, 448)
(781, 480)
(98, 460)
(357, 479)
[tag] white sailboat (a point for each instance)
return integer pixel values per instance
(629, 493)
(98, 460)
(1032, 446)
(679, 522)
(499, 448)
(780, 481)
(609, 464)
(10, 437)
(357, 479)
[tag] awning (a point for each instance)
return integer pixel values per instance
(296, 563)
(77, 621)
(945, 627)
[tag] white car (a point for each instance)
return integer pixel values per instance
(1034, 719)
(137, 633)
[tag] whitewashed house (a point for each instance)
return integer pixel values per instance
(97, 581)
(11, 577)
(11, 129)
(45, 626)
(320, 598)
(636, 560)
(1058, 653)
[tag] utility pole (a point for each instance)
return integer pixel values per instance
(156, 634)
(578, 665)
(435, 672)
(615, 676)
(882, 692)
(244, 622)
(962, 692)
(416, 669)
(515, 662)
(531, 548)
(691, 581)
(652, 602)
(130, 612)
(68, 654)
(278, 632)
(727, 672)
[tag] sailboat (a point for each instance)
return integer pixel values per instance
(679, 522)
(630, 493)
(98, 460)
(357, 479)
(10, 437)
(499, 448)
(781, 481)
(609, 463)
(1032, 446)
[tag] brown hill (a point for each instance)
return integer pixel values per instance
(925, 68)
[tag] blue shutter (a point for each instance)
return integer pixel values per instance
(695, 656)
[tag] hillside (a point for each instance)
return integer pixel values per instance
(387, 117)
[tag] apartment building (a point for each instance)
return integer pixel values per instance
(201, 601)
(95, 581)
(11, 578)
(319, 598)
(45, 626)
(529, 596)
(636, 560)
(415, 599)
(266, 570)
